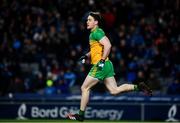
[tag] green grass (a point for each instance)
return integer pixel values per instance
(69, 121)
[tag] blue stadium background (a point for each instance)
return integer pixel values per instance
(42, 40)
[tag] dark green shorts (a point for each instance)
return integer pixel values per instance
(107, 71)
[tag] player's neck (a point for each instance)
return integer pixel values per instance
(94, 28)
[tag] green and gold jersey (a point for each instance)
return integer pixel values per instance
(96, 49)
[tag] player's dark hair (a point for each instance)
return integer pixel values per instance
(97, 16)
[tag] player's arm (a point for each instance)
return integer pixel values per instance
(84, 57)
(107, 47)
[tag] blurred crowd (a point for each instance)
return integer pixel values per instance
(42, 40)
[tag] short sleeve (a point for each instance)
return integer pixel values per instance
(99, 34)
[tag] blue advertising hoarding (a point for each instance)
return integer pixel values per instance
(104, 111)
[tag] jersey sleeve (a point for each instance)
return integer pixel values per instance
(99, 34)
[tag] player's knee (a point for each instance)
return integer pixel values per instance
(83, 89)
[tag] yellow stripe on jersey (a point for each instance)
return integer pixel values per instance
(96, 51)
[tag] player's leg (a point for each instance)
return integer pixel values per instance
(110, 81)
(88, 83)
(85, 90)
(111, 85)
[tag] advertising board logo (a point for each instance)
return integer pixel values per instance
(54, 112)
(111, 114)
(172, 113)
(61, 112)
(22, 111)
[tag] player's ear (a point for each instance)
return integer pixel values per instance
(96, 22)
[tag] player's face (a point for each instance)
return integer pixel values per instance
(91, 23)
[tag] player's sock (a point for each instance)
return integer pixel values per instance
(136, 88)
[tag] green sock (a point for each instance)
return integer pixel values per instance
(136, 88)
(81, 112)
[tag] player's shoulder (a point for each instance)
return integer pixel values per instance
(99, 31)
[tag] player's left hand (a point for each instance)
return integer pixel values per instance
(101, 64)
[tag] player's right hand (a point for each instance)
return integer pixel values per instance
(83, 58)
(101, 64)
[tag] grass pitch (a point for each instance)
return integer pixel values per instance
(70, 121)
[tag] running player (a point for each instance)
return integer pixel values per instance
(102, 68)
